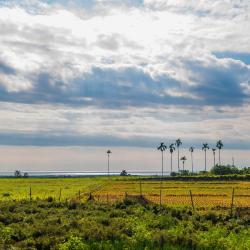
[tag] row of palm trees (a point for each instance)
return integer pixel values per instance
(173, 146)
(176, 145)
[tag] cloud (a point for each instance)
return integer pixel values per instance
(35, 124)
(243, 57)
(110, 57)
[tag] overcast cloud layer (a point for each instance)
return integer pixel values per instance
(124, 73)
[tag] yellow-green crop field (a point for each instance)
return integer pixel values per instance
(173, 193)
(19, 188)
(177, 193)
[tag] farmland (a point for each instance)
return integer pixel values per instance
(19, 188)
(123, 213)
(174, 193)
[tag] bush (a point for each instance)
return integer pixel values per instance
(50, 199)
(74, 243)
(224, 170)
(123, 173)
(6, 194)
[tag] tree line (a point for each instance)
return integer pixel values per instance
(176, 146)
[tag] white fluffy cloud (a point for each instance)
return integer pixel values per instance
(117, 57)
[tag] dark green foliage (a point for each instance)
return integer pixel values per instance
(50, 199)
(6, 194)
(217, 172)
(17, 173)
(125, 225)
(224, 170)
(123, 173)
(206, 176)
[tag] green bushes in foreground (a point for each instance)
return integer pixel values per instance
(126, 225)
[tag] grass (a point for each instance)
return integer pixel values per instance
(124, 222)
(71, 225)
(174, 193)
(19, 188)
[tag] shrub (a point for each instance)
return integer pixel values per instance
(223, 170)
(74, 243)
(5, 235)
(50, 199)
(6, 194)
(72, 205)
(123, 173)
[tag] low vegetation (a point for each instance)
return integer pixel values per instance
(123, 225)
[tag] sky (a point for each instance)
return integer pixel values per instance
(132, 73)
(94, 159)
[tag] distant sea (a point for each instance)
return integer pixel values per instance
(78, 174)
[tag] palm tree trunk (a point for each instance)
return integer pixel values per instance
(219, 157)
(178, 161)
(162, 164)
(183, 166)
(108, 164)
(214, 160)
(205, 160)
(192, 163)
(171, 163)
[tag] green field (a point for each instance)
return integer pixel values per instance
(19, 188)
(174, 193)
(118, 217)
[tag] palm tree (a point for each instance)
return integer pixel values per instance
(191, 150)
(205, 147)
(219, 145)
(178, 143)
(162, 148)
(108, 152)
(183, 159)
(214, 149)
(171, 150)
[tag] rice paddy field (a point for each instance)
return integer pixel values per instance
(109, 190)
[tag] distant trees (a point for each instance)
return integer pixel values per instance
(228, 169)
(162, 148)
(245, 170)
(223, 170)
(178, 143)
(183, 159)
(191, 150)
(171, 150)
(17, 173)
(123, 173)
(205, 147)
(108, 153)
(214, 149)
(25, 175)
(219, 145)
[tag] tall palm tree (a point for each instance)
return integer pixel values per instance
(219, 145)
(205, 147)
(162, 148)
(108, 153)
(178, 143)
(191, 150)
(183, 159)
(171, 150)
(214, 149)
